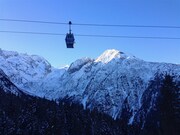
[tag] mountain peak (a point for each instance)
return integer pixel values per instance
(111, 54)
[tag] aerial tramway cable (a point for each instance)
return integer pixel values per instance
(92, 24)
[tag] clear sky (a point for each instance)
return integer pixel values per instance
(128, 12)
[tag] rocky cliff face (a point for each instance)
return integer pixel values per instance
(7, 86)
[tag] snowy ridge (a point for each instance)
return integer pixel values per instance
(75, 66)
(23, 68)
(104, 83)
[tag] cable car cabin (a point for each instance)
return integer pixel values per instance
(69, 40)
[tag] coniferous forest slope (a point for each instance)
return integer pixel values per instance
(26, 115)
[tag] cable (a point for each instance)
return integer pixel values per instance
(117, 36)
(89, 24)
(33, 33)
(31, 21)
(123, 25)
(84, 35)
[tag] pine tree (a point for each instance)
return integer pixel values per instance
(169, 106)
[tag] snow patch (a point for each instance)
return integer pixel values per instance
(84, 101)
(131, 119)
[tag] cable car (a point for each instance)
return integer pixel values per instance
(70, 38)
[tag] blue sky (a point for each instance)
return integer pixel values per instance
(132, 12)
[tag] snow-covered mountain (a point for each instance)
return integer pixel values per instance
(23, 68)
(105, 83)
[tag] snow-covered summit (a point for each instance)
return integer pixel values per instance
(111, 54)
